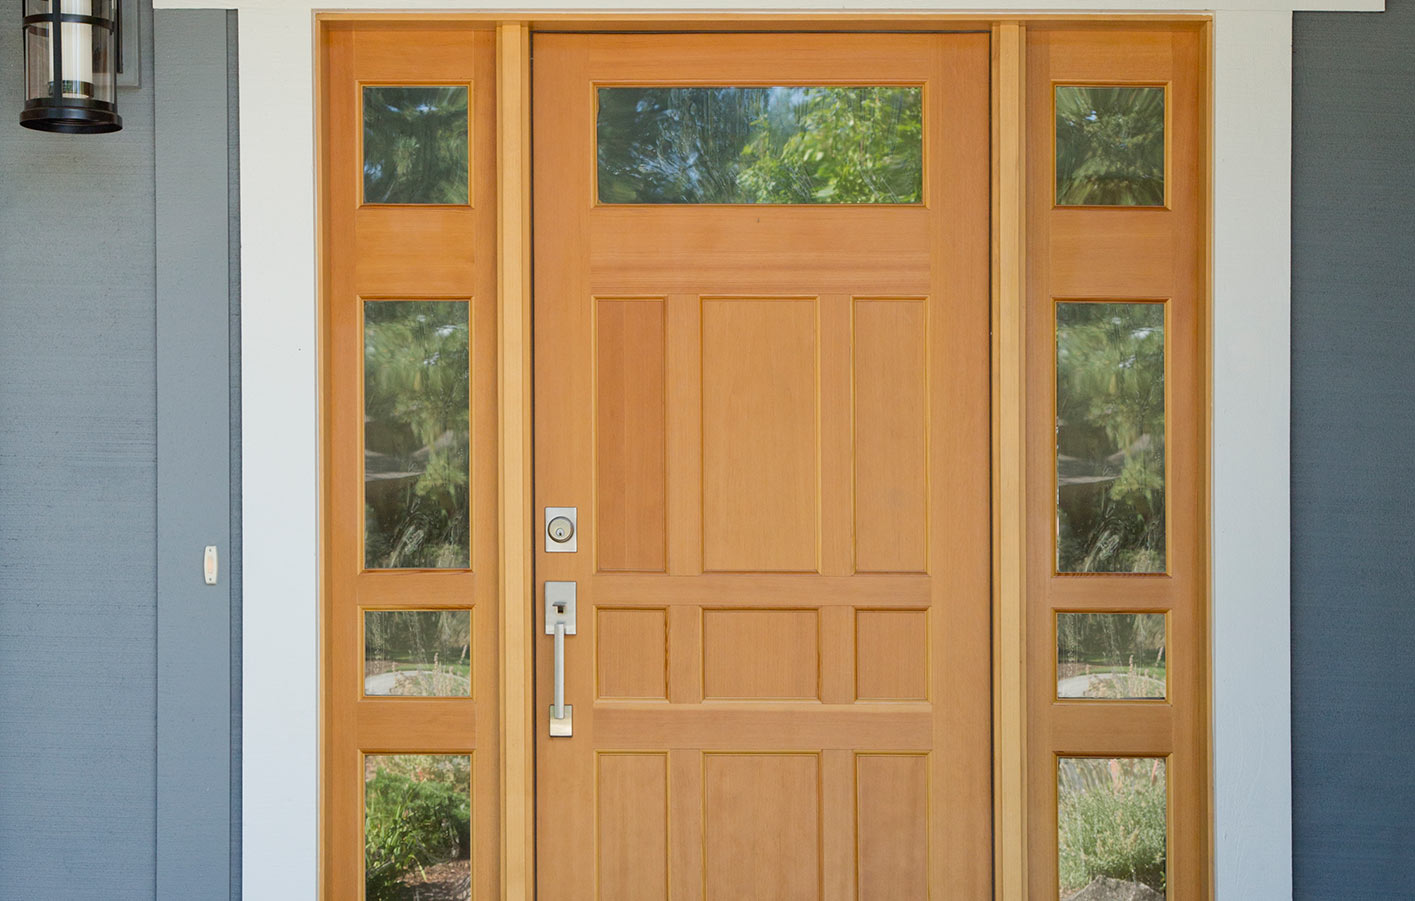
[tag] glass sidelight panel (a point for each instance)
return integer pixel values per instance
(1110, 469)
(416, 434)
(1109, 146)
(760, 144)
(1111, 827)
(418, 653)
(415, 144)
(417, 827)
(1111, 656)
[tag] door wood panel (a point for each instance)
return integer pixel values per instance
(395, 252)
(774, 421)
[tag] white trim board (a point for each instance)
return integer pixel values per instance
(1251, 419)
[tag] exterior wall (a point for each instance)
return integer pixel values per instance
(99, 645)
(1353, 455)
(77, 512)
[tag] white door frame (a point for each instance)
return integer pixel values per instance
(1251, 419)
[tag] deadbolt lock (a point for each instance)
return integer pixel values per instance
(560, 530)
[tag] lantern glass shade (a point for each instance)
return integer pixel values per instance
(70, 66)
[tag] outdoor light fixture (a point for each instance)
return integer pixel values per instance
(71, 66)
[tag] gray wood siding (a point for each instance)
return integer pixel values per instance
(1353, 455)
(77, 501)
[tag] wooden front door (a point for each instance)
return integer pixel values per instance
(762, 381)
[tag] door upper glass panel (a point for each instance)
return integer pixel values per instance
(781, 145)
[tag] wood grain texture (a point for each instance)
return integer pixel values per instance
(825, 375)
(1123, 254)
(514, 348)
(891, 655)
(761, 489)
(631, 841)
(630, 435)
(632, 646)
(761, 654)
(891, 799)
(1009, 497)
(762, 827)
(891, 435)
(366, 251)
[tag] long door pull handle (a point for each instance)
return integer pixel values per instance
(559, 622)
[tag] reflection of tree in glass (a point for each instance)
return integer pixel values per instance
(416, 439)
(415, 144)
(1123, 651)
(1110, 146)
(760, 145)
(1110, 437)
(427, 652)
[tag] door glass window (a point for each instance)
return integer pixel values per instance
(1109, 146)
(785, 145)
(1110, 473)
(417, 827)
(1112, 656)
(1112, 827)
(417, 455)
(418, 653)
(415, 144)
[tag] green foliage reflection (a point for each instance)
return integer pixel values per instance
(1111, 821)
(416, 438)
(1110, 437)
(415, 144)
(761, 145)
(417, 826)
(1110, 146)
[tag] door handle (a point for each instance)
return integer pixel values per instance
(559, 622)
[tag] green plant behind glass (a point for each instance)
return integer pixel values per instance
(1110, 146)
(760, 145)
(1110, 437)
(416, 434)
(1111, 822)
(417, 814)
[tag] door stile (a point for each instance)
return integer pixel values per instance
(513, 110)
(1009, 461)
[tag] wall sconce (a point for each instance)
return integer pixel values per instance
(71, 66)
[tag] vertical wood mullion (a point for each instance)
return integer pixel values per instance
(1009, 461)
(514, 488)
